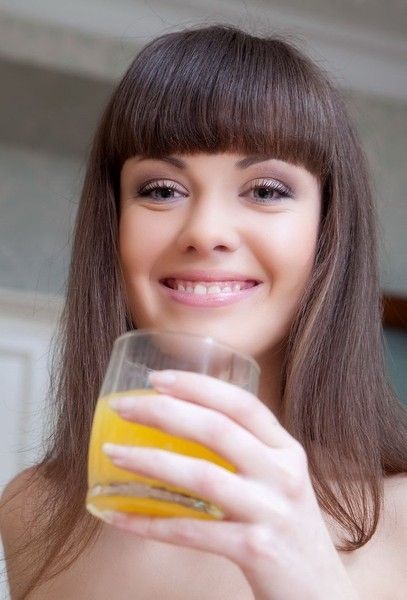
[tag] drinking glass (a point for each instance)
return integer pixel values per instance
(134, 356)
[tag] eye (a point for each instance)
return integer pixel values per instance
(162, 190)
(269, 191)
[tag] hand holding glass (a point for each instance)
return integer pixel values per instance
(134, 356)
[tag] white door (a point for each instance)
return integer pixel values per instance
(27, 324)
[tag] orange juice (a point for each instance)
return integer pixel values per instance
(114, 488)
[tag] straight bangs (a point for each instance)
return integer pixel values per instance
(219, 90)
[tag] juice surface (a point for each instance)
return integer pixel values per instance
(104, 477)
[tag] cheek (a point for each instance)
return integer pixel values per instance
(136, 258)
(288, 251)
(130, 245)
(140, 241)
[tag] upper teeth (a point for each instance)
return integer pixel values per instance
(202, 287)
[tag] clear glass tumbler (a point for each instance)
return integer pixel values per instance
(134, 355)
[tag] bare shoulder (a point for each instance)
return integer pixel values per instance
(18, 526)
(396, 511)
(377, 569)
(396, 484)
(394, 542)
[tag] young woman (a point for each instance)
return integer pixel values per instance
(226, 157)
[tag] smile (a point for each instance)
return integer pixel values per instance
(208, 294)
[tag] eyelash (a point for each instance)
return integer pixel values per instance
(267, 184)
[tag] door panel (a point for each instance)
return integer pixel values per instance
(27, 325)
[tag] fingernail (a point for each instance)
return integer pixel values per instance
(162, 379)
(115, 450)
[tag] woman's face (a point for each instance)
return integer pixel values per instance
(196, 229)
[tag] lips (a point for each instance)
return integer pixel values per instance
(201, 290)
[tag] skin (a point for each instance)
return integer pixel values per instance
(216, 219)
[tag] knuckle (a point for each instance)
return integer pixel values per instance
(209, 479)
(258, 544)
(294, 475)
(218, 427)
(294, 483)
(244, 410)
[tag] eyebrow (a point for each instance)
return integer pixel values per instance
(240, 164)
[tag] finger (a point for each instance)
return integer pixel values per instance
(235, 402)
(217, 432)
(226, 538)
(238, 498)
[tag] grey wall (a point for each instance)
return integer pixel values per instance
(395, 345)
(383, 127)
(46, 124)
(38, 201)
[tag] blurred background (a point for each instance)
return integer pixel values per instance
(59, 62)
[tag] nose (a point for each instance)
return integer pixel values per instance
(209, 226)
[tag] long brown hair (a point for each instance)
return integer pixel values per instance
(214, 89)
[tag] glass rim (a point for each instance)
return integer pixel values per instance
(206, 339)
